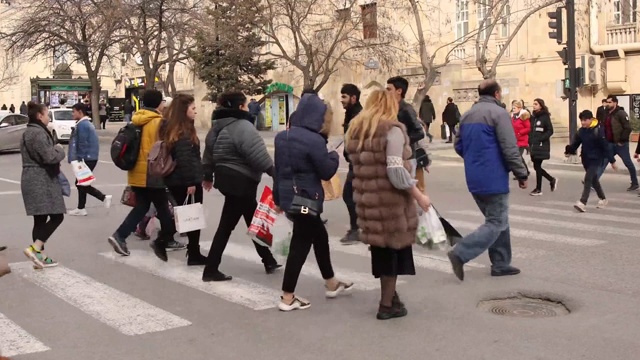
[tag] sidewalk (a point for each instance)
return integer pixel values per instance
(445, 152)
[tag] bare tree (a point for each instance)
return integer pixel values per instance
(496, 15)
(430, 44)
(160, 32)
(10, 67)
(83, 30)
(317, 37)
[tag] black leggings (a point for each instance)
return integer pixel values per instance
(45, 225)
(179, 194)
(540, 172)
(307, 231)
(90, 190)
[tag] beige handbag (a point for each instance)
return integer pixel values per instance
(4, 264)
(332, 188)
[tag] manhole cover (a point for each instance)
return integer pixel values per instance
(525, 307)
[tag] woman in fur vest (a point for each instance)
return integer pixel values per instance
(385, 194)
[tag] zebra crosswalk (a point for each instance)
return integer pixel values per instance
(537, 228)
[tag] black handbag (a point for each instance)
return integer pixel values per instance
(301, 205)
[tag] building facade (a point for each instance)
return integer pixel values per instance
(608, 46)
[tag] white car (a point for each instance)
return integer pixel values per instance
(61, 123)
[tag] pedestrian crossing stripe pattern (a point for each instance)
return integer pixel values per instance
(123, 312)
(14, 340)
(99, 300)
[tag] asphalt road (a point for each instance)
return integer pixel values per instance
(100, 306)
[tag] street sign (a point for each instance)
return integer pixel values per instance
(372, 64)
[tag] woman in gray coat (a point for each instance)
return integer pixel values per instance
(40, 185)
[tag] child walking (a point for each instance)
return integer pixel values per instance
(594, 151)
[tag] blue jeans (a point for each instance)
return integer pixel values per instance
(493, 235)
(623, 152)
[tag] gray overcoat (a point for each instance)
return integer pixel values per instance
(42, 194)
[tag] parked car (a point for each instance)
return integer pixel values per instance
(12, 126)
(61, 124)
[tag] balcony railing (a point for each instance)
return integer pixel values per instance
(622, 34)
(500, 44)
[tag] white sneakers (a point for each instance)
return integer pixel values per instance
(302, 304)
(107, 201)
(77, 212)
(83, 212)
(602, 203)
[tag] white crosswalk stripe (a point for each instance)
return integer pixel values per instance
(550, 221)
(592, 205)
(532, 234)
(104, 303)
(14, 340)
(362, 281)
(573, 214)
(242, 292)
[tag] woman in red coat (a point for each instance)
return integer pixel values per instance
(522, 127)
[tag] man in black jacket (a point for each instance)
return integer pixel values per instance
(398, 86)
(601, 112)
(350, 99)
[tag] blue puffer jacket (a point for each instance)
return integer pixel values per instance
(84, 143)
(304, 149)
(487, 143)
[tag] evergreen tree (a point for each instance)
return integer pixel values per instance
(226, 54)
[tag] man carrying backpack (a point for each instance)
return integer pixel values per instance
(141, 134)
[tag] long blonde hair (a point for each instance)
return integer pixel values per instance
(381, 106)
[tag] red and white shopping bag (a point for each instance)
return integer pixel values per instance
(263, 219)
(82, 173)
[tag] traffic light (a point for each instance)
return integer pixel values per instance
(556, 25)
(564, 55)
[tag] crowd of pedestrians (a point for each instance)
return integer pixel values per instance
(384, 191)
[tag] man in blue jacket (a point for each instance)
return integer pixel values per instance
(84, 146)
(487, 144)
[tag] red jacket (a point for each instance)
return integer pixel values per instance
(522, 129)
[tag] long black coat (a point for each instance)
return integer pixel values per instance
(540, 135)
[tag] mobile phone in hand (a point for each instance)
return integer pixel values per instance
(336, 145)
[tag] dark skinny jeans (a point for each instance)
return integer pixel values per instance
(45, 225)
(83, 191)
(307, 231)
(591, 179)
(347, 196)
(233, 210)
(540, 172)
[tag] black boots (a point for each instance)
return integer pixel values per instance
(194, 257)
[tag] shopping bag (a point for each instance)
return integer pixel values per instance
(64, 184)
(281, 232)
(453, 236)
(189, 216)
(83, 173)
(128, 197)
(332, 188)
(263, 219)
(431, 233)
(4, 265)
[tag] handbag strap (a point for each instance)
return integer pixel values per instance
(293, 171)
(186, 200)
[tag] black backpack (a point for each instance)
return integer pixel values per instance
(125, 147)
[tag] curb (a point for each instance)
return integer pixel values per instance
(549, 164)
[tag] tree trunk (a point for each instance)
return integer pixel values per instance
(429, 79)
(150, 78)
(95, 100)
(170, 80)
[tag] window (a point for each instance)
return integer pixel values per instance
(343, 15)
(504, 21)
(624, 11)
(483, 10)
(462, 19)
(21, 119)
(369, 21)
(7, 121)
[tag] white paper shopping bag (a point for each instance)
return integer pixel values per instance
(82, 173)
(189, 217)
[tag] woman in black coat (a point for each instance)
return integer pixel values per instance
(179, 134)
(540, 144)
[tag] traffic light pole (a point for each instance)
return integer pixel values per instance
(571, 55)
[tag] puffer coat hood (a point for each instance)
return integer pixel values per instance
(309, 113)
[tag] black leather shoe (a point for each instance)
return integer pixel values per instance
(216, 277)
(3, 248)
(457, 265)
(506, 271)
(270, 269)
